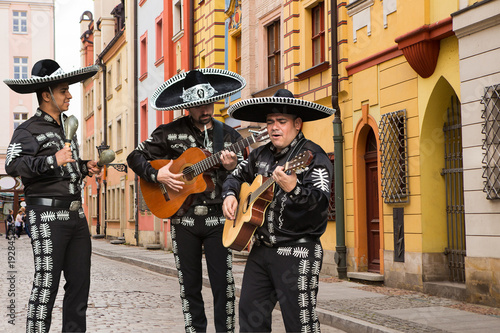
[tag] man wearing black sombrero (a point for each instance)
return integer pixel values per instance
(51, 172)
(196, 229)
(286, 257)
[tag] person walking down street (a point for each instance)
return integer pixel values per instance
(51, 173)
(9, 224)
(196, 229)
(20, 221)
(286, 257)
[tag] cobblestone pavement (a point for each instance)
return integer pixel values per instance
(123, 298)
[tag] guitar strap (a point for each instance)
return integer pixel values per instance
(218, 136)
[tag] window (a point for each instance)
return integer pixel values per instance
(19, 118)
(110, 135)
(394, 157)
(491, 141)
(19, 22)
(118, 73)
(131, 202)
(20, 68)
(159, 38)
(144, 120)
(237, 58)
(318, 34)
(177, 16)
(119, 134)
(273, 53)
(109, 83)
(144, 56)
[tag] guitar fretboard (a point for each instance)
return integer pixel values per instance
(211, 161)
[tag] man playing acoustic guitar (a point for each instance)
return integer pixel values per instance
(198, 227)
(286, 257)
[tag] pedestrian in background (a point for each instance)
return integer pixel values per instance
(9, 224)
(52, 173)
(20, 221)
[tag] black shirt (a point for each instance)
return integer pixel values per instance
(169, 141)
(31, 155)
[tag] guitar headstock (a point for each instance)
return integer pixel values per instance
(301, 160)
(260, 135)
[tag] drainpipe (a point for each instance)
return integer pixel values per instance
(98, 223)
(105, 136)
(136, 128)
(338, 140)
(191, 36)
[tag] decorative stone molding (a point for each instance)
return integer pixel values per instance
(421, 46)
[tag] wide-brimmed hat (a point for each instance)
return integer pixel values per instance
(46, 73)
(195, 88)
(283, 101)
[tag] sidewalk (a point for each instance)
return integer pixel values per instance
(349, 306)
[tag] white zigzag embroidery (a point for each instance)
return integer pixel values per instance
(211, 221)
(13, 151)
(45, 230)
(172, 137)
(304, 316)
(318, 252)
(320, 179)
(47, 216)
(36, 247)
(34, 294)
(74, 177)
(316, 267)
(304, 267)
(191, 139)
(187, 221)
(284, 251)
(41, 312)
(229, 277)
(38, 263)
(300, 252)
(47, 263)
(71, 188)
(303, 300)
(34, 231)
(229, 291)
(188, 319)
(41, 137)
(44, 296)
(183, 136)
(31, 311)
(38, 279)
(314, 282)
(63, 215)
(40, 326)
(47, 246)
(230, 308)
(302, 283)
(272, 239)
(47, 280)
(181, 277)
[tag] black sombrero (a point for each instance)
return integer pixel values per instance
(283, 101)
(46, 73)
(195, 88)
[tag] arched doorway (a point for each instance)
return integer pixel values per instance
(372, 203)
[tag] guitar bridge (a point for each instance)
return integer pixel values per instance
(164, 191)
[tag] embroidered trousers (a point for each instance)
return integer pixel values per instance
(190, 238)
(288, 275)
(60, 240)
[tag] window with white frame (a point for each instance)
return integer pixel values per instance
(19, 22)
(19, 118)
(20, 68)
(177, 16)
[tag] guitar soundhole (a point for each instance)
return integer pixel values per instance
(246, 204)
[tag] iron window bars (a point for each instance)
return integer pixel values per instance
(491, 141)
(394, 157)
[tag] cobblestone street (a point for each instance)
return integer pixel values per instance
(123, 298)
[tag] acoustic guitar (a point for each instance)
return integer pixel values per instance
(252, 205)
(163, 202)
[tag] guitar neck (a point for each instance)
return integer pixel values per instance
(213, 160)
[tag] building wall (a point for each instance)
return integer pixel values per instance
(479, 48)
(36, 44)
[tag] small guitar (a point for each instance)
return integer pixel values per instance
(252, 205)
(164, 202)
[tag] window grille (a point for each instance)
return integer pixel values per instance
(491, 141)
(394, 157)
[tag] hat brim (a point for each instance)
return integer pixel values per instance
(168, 96)
(26, 86)
(257, 109)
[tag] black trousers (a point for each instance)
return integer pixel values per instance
(60, 240)
(192, 236)
(288, 275)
